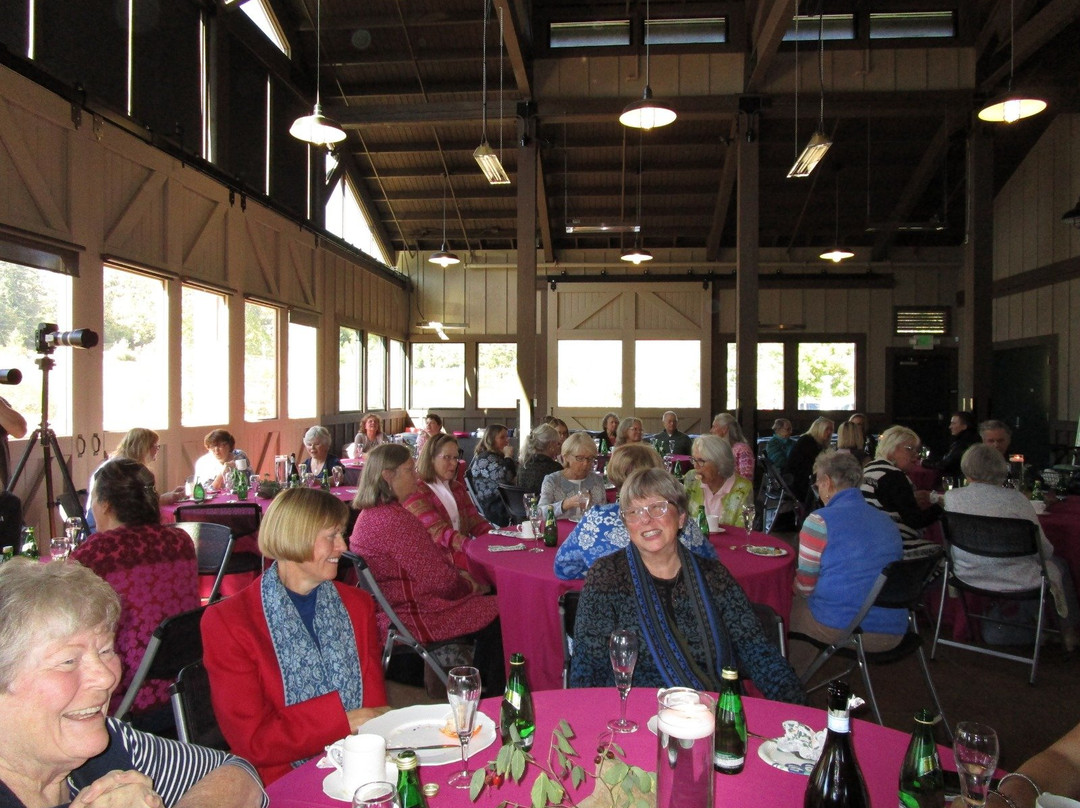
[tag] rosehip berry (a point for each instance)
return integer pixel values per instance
(597, 760)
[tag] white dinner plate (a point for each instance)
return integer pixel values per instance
(333, 784)
(785, 761)
(423, 725)
(766, 550)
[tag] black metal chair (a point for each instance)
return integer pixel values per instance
(176, 642)
(990, 538)
(900, 585)
(568, 603)
(772, 624)
(193, 712)
(213, 548)
(242, 518)
(398, 634)
(776, 497)
(512, 497)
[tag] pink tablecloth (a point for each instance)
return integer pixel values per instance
(925, 479)
(879, 750)
(1061, 524)
(168, 512)
(528, 591)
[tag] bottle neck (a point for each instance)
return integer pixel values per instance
(839, 721)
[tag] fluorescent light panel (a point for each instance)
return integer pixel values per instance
(811, 155)
(490, 165)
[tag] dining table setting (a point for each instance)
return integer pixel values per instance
(776, 770)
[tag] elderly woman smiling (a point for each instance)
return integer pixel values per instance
(691, 615)
(577, 485)
(317, 443)
(58, 670)
(713, 484)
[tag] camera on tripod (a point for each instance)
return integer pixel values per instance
(10, 376)
(48, 338)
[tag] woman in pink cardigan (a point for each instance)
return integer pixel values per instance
(436, 600)
(441, 503)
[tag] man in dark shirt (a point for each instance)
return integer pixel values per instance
(671, 440)
(964, 435)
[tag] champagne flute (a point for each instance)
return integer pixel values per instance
(463, 692)
(585, 498)
(976, 749)
(749, 513)
(623, 647)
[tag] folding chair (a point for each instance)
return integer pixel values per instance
(568, 603)
(398, 633)
(900, 585)
(472, 495)
(776, 497)
(772, 624)
(213, 548)
(193, 712)
(991, 537)
(69, 505)
(512, 497)
(242, 518)
(176, 642)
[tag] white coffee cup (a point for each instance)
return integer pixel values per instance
(1054, 801)
(714, 521)
(526, 530)
(360, 759)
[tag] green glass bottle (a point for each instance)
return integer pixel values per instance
(324, 481)
(604, 448)
(703, 521)
(517, 706)
(28, 543)
(551, 530)
(921, 780)
(7, 553)
(198, 493)
(729, 746)
(410, 795)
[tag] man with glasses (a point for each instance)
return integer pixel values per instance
(671, 441)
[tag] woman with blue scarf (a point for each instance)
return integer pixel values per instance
(691, 617)
(294, 659)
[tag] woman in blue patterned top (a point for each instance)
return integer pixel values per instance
(601, 531)
(493, 464)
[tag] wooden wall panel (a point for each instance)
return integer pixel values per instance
(34, 162)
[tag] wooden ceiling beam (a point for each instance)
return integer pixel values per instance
(724, 194)
(1050, 21)
(514, 52)
(768, 33)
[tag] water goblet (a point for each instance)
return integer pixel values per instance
(59, 547)
(585, 498)
(749, 514)
(623, 648)
(376, 795)
(74, 530)
(337, 473)
(948, 483)
(463, 692)
(976, 749)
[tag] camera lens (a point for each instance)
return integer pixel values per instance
(10, 376)
(79, 338)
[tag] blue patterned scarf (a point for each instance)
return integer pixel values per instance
(309, 670)
(665, 641)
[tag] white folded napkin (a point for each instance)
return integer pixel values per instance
(505, 548)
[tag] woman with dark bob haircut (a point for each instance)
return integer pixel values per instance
(152, 567)
(693, 619)
(58, 670)
(294, 658)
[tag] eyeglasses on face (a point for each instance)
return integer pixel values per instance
(654, 510)
(698, 461)
(584, 458)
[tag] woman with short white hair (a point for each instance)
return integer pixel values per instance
(317, 443)
(578, 485)
(714, 484)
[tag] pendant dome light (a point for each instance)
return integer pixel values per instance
(1011, 107)
(837, 253)
(443, 257)
(646, 113)
(637, 254)
(317, 129)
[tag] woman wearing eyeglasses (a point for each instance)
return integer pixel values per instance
(578, 485)
(441, 503)
(713, 484)
(691, 616)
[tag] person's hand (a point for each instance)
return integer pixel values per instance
(922, 499)
(508, 451)
(119, 789)
(361, 715)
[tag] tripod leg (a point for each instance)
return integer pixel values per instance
(69, 485)
(15, 475)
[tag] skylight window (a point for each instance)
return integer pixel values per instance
(832, 26)
(590, 34)
(692, 31)
(912, 25)
(263, 16)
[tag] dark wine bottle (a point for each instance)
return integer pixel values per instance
(836, 780)
(517, 706)
(922, 783)
(729, 750)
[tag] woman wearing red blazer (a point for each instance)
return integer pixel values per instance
(294, 659)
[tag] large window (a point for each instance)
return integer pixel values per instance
(303, 368)
(29, 296)
(667, 373)
(135, 367)
(204, 357)
(397, 375)
(497, 382)
(350, 369)
(590, 373)
(770, 369)
(260, 362)
(376, 372)
(438, 375)
(826, 376)
(345, 217)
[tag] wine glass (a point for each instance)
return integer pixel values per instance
(376, 795)
(74, 530)
(749, 513)
(59, 547)
(976, 749)
(463, 691)
(623, 647)
(536, 518)
(585, 498)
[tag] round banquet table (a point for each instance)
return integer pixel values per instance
(1061, 524)
(528, 591)
(168, 512)
(879, 750)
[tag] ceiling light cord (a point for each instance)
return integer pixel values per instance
(645, 34)
(501, 48)
(483, 105)
(821, 69)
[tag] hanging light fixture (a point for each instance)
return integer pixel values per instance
(317, 129)
(819, 143)
(637, 254)
(837, 253)
(646, 113)
(443, 257)
(1011, 107)
(484, 155)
